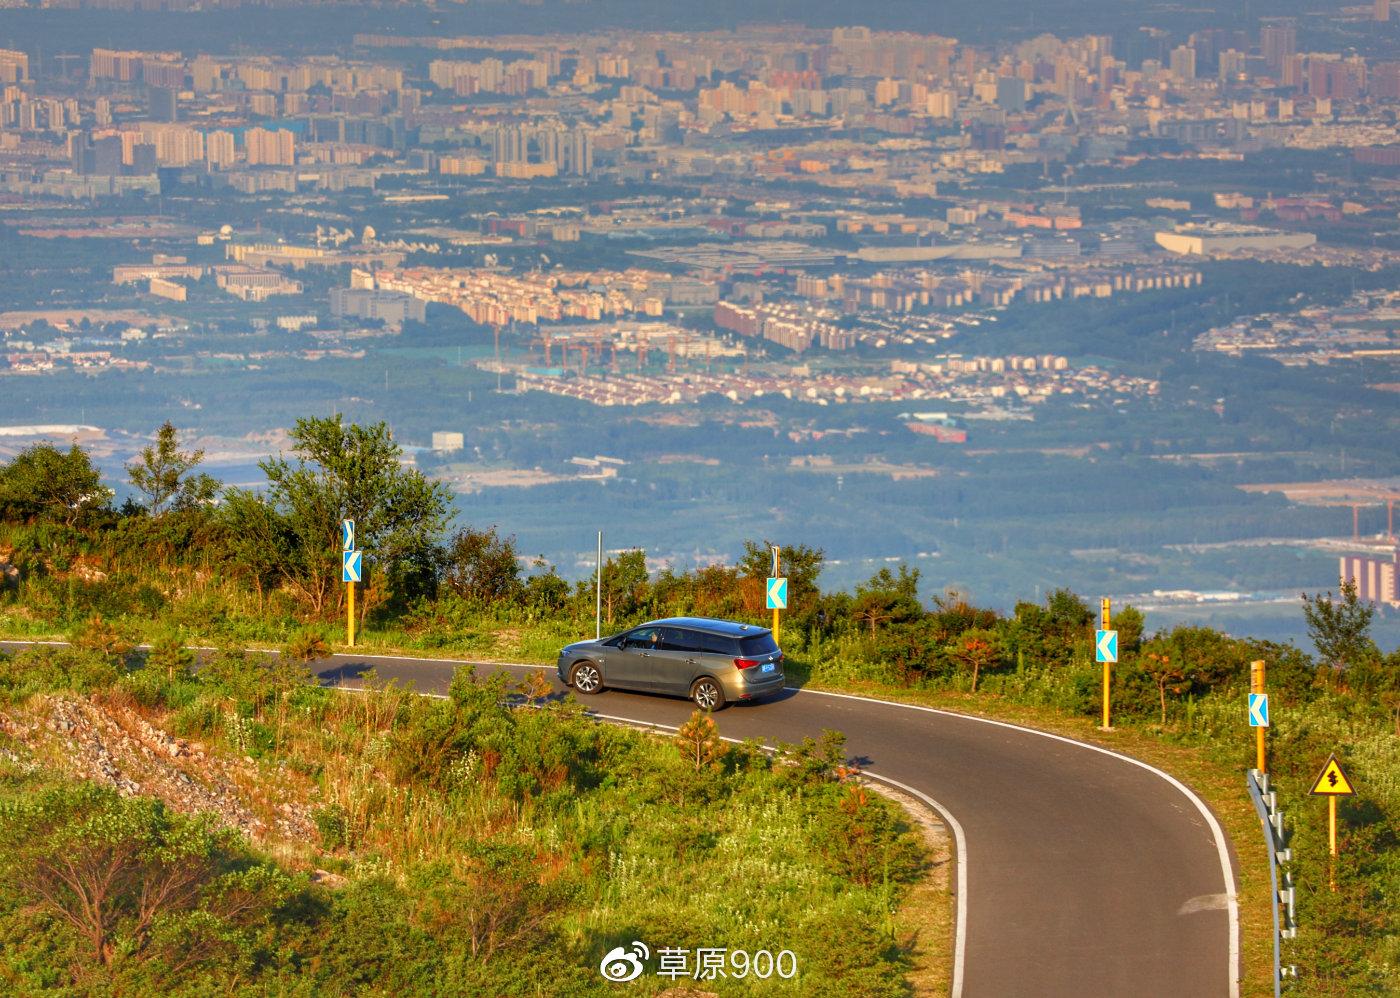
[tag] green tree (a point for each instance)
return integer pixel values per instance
(340, 471)
(1340, 626)
(165, 475)
(120, 872)
(953, 613)
(976, 650)
(1169, 677)
(102, 638)
(913, 650)
(481, 566)
(888, 598)
(697, 740)
(800, 565)
(1389, 694)
(626, 585)
(306, 646)
(1051, 633)
(45, 483)
(259, 541)
(169, 655)
(1128, 622)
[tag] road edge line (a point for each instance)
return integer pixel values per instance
(1222, 843)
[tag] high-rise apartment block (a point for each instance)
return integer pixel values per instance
(1374, 578)
(1183, 63)
(14, 66)
(270, 148)
(1333, 78)
(1011, 94)
(1384, 83)
(942, 104)
(1277, 41)
(219, 149)
(163, 103)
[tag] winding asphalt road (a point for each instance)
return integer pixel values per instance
(1080, 872)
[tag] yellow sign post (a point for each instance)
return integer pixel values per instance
(777, 565)
(350, 567)
(1256, 685)
(1332, 783)
(1104, 608)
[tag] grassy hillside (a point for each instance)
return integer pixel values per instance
(243, 830)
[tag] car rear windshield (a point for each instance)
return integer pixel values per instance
(756, 645)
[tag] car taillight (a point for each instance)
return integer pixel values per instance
(745, 663)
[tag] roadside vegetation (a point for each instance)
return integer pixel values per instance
(240, 829)
(262, 569)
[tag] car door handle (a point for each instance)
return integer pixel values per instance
(646, 654)
(691, 661)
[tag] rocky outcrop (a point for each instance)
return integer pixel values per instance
(94, 740)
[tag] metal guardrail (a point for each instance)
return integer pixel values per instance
(1276, 843)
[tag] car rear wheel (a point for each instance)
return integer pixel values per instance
(586, 678)
(707, 694)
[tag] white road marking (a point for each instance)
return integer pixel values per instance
(1221, 845)
(1204, 902)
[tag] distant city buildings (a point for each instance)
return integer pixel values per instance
(1374, 578)
(393, 308)
(791, 193)
(1214, 238)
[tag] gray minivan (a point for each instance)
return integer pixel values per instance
(713, 662)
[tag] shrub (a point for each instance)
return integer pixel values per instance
(306, 645)
(170, 657)
(198, 719)
(698, 742)
(864, 841)
(124, 872)
(102, 638)
(48, 669)
(331, 826)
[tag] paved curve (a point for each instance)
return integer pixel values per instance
(1081, 873)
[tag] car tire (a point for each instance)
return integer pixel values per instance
(707, 694)
(586, 678)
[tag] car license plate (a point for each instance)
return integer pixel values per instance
(768, 666)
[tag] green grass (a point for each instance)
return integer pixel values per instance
(569, 837)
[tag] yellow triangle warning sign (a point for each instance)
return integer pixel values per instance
(1332, 781)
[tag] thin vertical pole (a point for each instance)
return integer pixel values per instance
(598, 593)
(1332, 841)
(1105, 607)
(777, 567)
(350, 614)
(1256, 684)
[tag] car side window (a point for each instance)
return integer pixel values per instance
(643, 637)
(679, 639)
(718, 644)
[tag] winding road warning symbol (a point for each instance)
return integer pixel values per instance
(1332, 781)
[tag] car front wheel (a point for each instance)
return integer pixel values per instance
(586, 678)
(707, 694)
